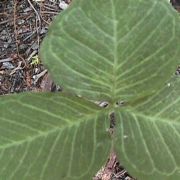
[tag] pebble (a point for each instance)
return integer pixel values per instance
(63, 5)
(7, 65)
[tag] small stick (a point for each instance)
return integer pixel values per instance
(15, 32)
(6, 60)
(38, 22)
(17, 68)
(5, 21)
(36, 77)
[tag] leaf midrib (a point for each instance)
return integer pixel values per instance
(115, 52)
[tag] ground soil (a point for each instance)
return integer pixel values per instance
(23, 25)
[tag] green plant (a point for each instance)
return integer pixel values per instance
(124, 52)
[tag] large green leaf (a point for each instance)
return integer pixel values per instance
(51, 136)
(113, 49)
(148, 139)
(124, 50)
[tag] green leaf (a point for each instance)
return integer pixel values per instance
(51, 136)
(148, 139)
(120, 50)
(113, 50)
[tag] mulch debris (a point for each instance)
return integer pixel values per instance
(113, 170)
(23, 25)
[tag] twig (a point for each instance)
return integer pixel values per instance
(31, 55)
(17, 68)
(6, 60)
(120, 174)
(36, 77)
(49, 12)
(38, 22)
(27, 37)
(4, 13)
(15, 32)
(4, 22)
